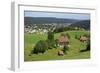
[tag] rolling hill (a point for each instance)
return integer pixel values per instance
(41, 20)
(82, 24)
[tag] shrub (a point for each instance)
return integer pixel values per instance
(65, 49)
(68, 35)
(56, 42)
(50, 35)
(77, 36)
(50, 40)
(63, 34)
(51, 44)
(88, 46)
(87, 35)
(40, 47)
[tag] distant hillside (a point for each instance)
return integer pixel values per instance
(41, 20)
(82, 24)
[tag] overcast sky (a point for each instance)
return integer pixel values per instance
(80, 16)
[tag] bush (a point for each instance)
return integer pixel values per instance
(50, 35)
(65, 49)
(88, 46)
(40, 47)
(77, 36)
(63, 34)
(56, 42)
(68, 35)
(87, 35)
(50, 40)
(51, 44)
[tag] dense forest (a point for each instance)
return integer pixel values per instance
(42, 20)
(82, 24)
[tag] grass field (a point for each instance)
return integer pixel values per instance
(75, 46)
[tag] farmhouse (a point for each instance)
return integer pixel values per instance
(83, 38)
(63, 40)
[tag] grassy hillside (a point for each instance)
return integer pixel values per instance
(75, 46)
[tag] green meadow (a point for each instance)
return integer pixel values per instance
(73, 53)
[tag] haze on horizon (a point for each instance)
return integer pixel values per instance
(77, 16)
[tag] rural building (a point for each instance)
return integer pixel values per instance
(83, 39)
(63, 40)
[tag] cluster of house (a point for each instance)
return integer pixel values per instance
(35, 30)
(42, 28)
(78, 28)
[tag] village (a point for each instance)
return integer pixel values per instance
(43, 28)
